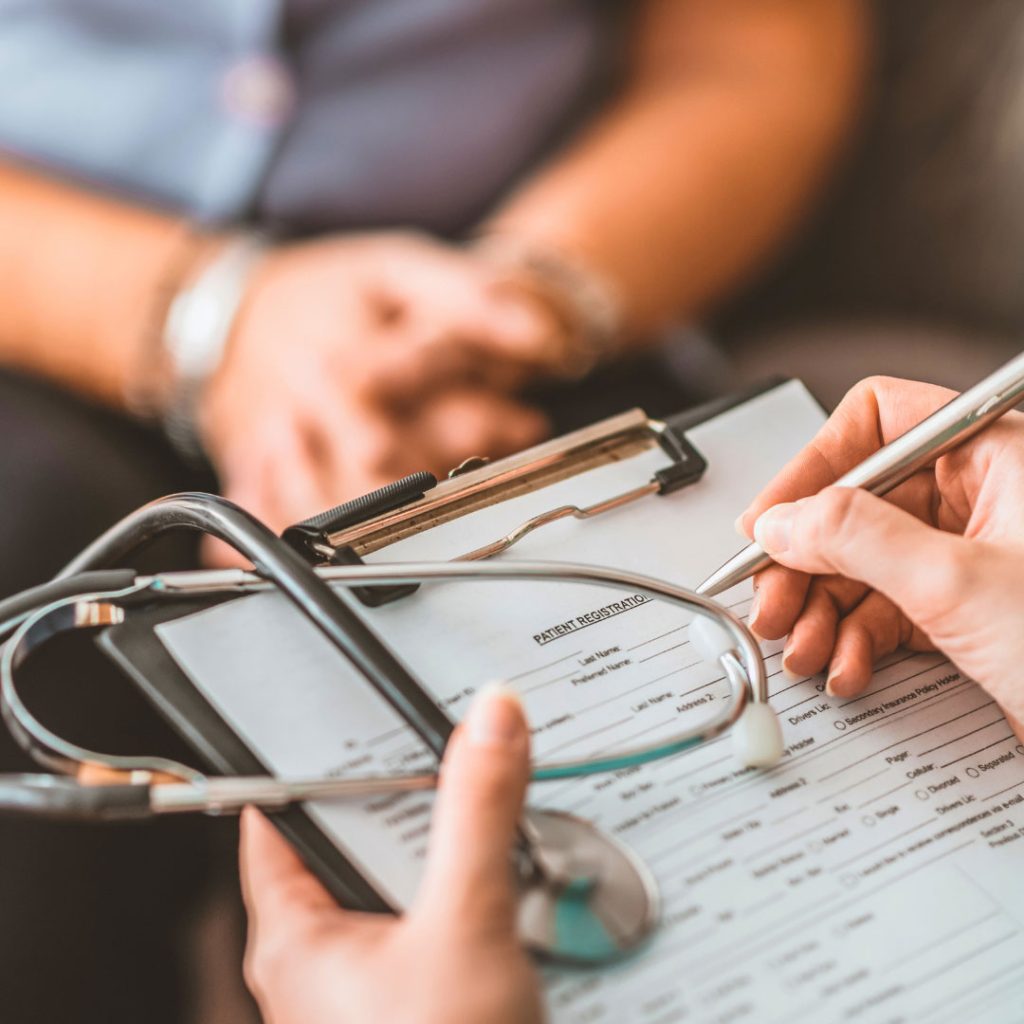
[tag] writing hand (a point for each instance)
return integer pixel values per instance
(938, 564)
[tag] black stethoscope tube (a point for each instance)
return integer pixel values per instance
(16, 607)
(329, 612)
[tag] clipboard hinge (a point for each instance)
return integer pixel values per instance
(312, 537)
(688, 465)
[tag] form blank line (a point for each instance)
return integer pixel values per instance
(970, 990)
(888, 792)
(963, 736)
(540, 668)
(962, 959)
(660, 636)
(587, 736)
(1007, 790)
(549, 682)
(875, 849)
(853, 785)
(893, 964)
(1002, 739)
(788, 840)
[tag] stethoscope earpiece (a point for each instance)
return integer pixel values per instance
(709, 639)
(756, 734)
(757, 737)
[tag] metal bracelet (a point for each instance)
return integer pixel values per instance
(196, 332)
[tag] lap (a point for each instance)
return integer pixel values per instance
(69, 470)
(92, 914)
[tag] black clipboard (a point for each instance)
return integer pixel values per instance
(136, 649)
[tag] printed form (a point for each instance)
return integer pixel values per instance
(873, 875)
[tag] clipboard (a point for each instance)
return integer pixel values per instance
(345, 534)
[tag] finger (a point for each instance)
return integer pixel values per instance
(450, 294)
(280, 478)
(517, 336)
(875, 628)
(463, 423)
(280, 893)
(277, 479)
(468, 880)
(406, 367)
(359, 446)
(857, 535)
(813, 635)
(288, 909)
(873, 412)
(778, 601)
(215, 554)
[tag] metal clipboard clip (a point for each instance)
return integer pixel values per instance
(345, 534)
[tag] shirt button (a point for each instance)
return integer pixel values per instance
(258, 89)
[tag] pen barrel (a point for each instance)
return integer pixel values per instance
(949, 426)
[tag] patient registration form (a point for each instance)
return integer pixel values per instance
(871, 876)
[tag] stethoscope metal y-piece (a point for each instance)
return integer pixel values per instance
(586, 898)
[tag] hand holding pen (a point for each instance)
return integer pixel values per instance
(937, 565)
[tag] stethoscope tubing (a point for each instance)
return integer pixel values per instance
(309, 590)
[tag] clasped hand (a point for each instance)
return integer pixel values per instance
(356, 360)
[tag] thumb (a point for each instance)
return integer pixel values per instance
(924, 571)
(281, 896)
(468, 879)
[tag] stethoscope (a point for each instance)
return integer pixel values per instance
(585, 898)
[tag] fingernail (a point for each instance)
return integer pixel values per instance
(738, 525)
(496, 717)
(835, 673)
(755, 610)
(774, 528)
(788, 672)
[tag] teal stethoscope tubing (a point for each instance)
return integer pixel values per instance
(44, 622)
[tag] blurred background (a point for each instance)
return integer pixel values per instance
(403, 232)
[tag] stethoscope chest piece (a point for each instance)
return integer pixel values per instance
(588, 899)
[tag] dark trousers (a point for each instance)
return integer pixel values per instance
(91, 917)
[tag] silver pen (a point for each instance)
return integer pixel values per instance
(959, 419)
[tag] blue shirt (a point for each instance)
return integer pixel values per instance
(300, 114)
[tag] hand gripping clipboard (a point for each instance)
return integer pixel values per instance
(347, 533)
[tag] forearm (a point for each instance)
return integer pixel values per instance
(80, 282)
(730, 114)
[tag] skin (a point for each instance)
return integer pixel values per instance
(454, 958)
(358, 358)
(937, 565)
(285, 427)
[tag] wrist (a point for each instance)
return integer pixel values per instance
(196, 330)
(585, 304)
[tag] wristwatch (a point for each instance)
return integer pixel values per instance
(196, 331)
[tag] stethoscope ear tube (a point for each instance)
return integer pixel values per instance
(66, 799)
(727, 640)
(15, 608)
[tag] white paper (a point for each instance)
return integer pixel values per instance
(864, 878)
